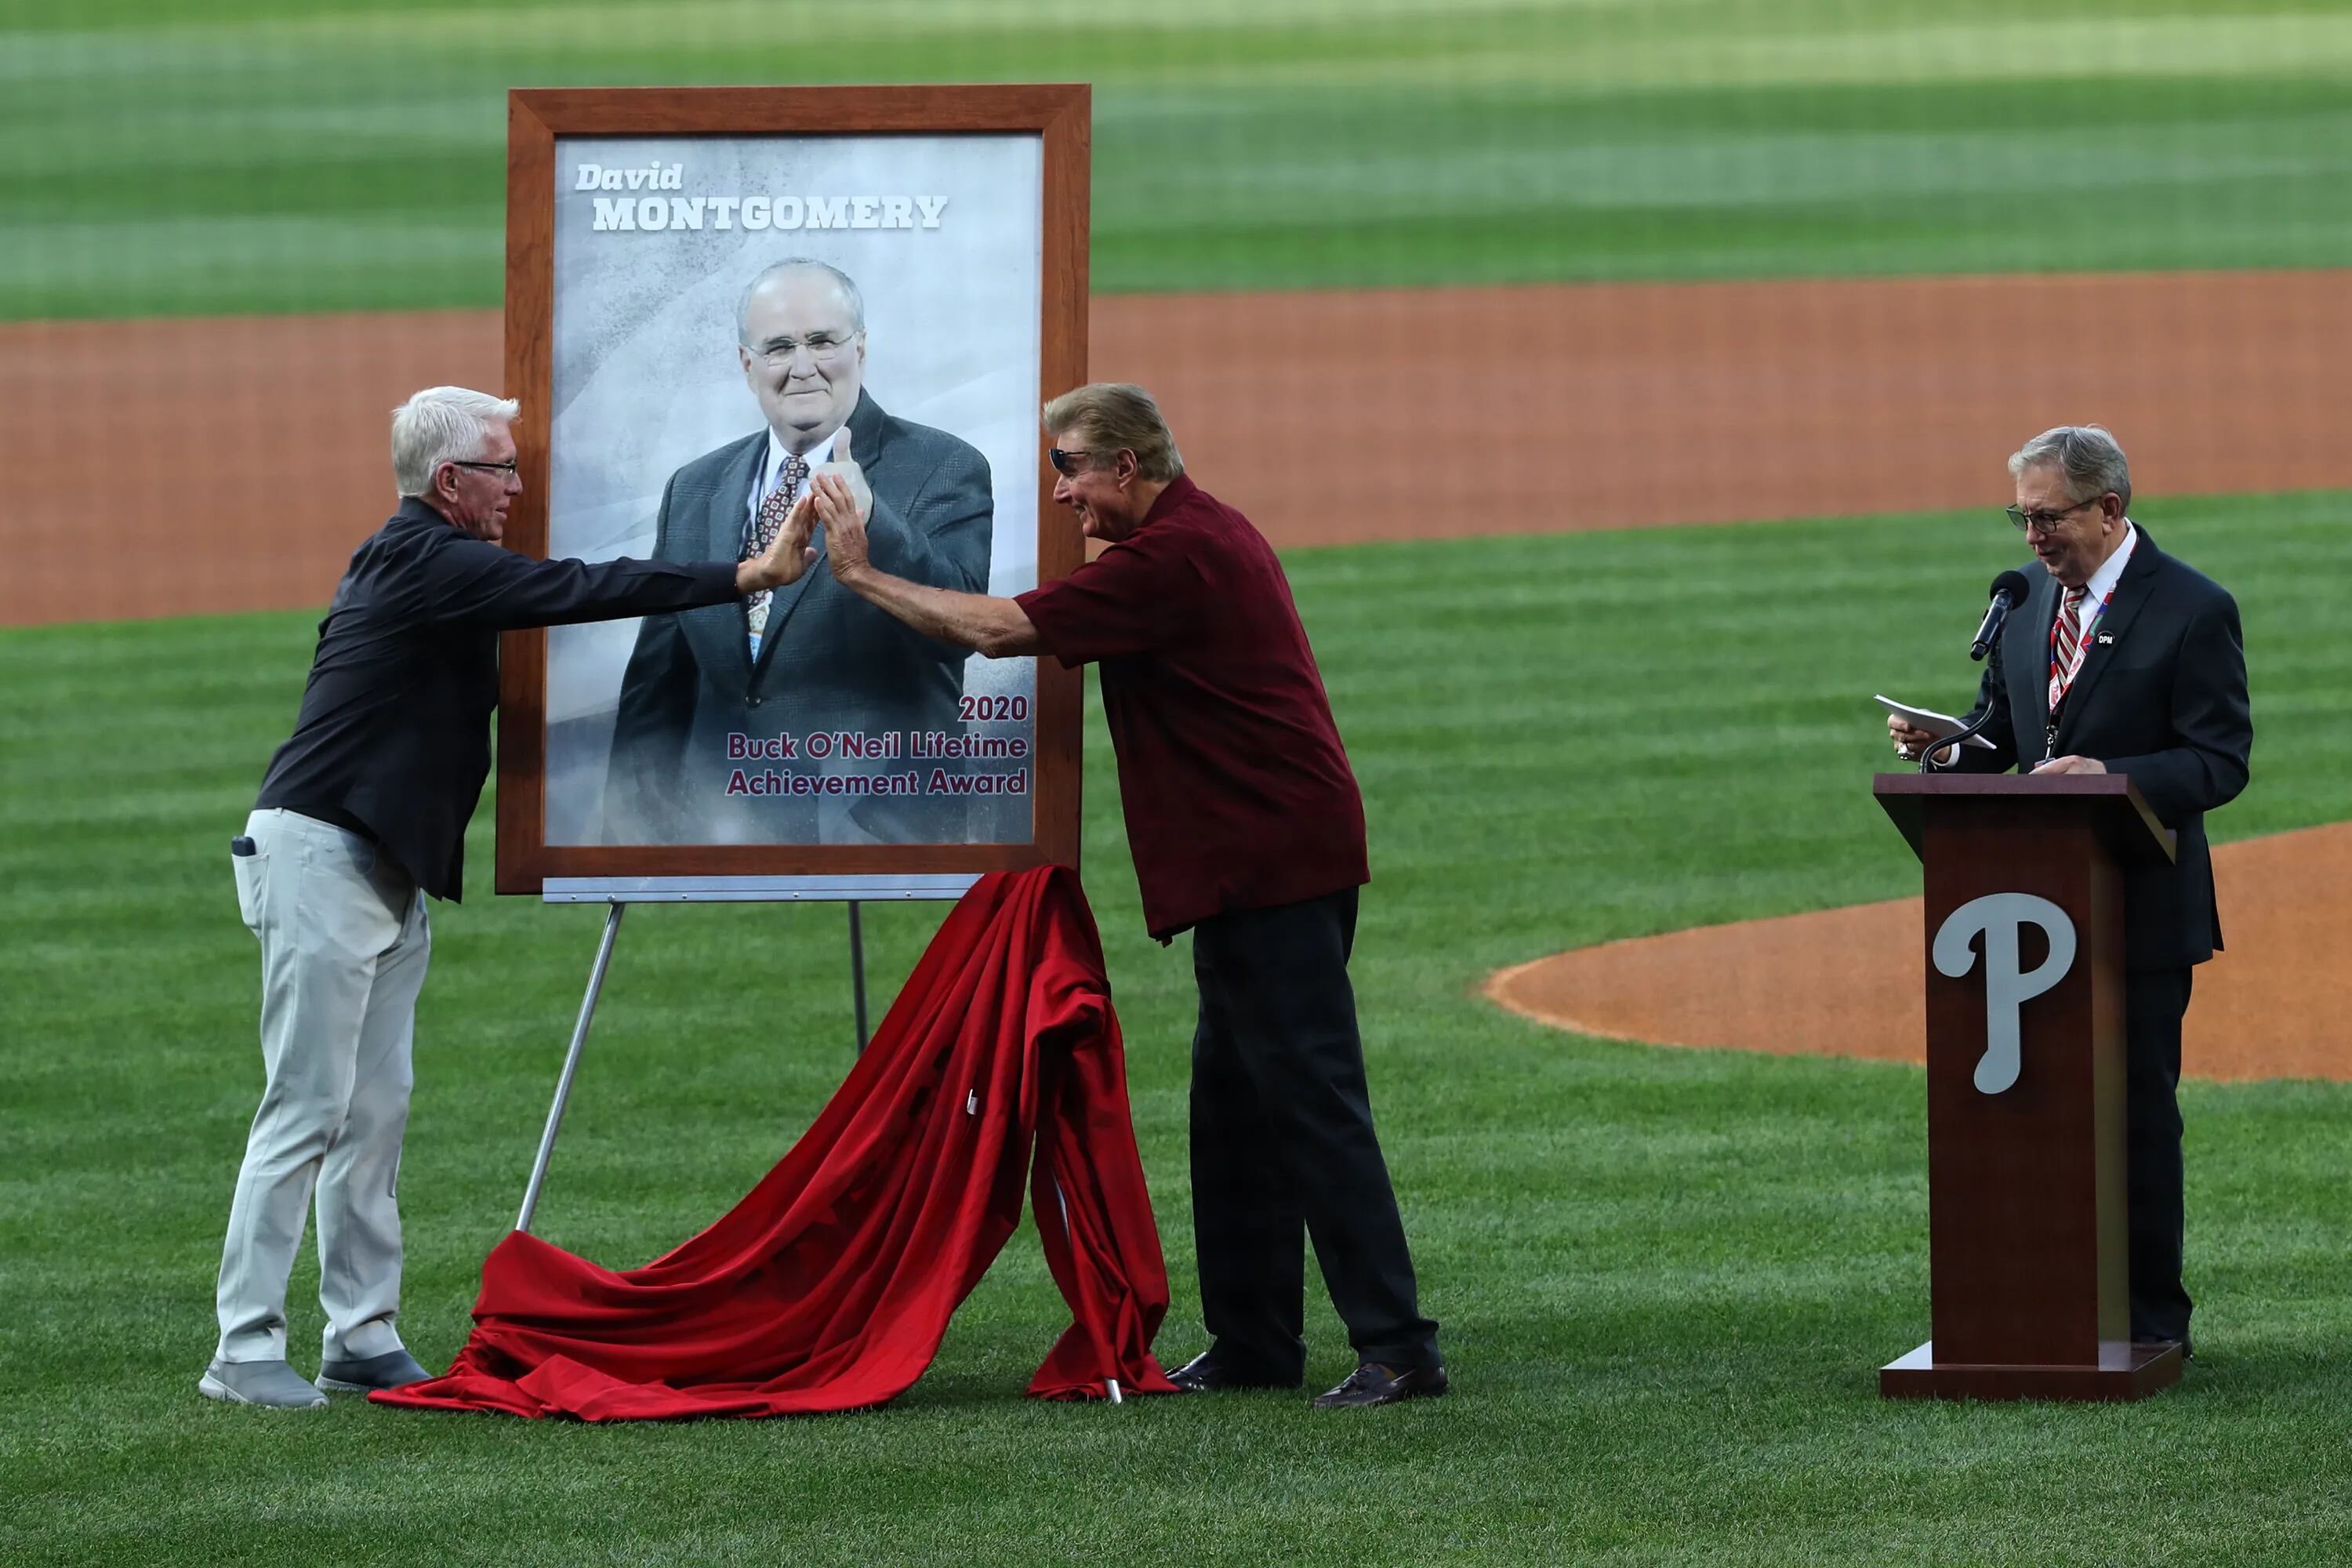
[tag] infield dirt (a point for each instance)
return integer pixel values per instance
(200, 466)
(1845, 982)
(193, 466)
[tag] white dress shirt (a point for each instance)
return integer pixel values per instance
(2103, 581)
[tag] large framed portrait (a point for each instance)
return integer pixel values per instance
(714, 295)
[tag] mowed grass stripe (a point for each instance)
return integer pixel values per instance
(1665, 1276)
(293, 157)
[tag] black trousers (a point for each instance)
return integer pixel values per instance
(1283, 1146)
(2154, 1003)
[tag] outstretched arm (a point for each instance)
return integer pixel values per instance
(467, 581)
(997, 627)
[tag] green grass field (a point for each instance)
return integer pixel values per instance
(1667, 1276)
(241, 155)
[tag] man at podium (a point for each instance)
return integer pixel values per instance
(2122, 660)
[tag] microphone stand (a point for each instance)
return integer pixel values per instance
(1932, 747)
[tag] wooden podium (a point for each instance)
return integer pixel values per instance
(2026, 1230)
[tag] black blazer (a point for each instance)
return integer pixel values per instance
(394, 737)
(2161, 697)
(829, 660)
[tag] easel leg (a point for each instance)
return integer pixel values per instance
(571, 1066)
(857, 969)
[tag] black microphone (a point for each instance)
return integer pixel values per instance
(2008, 591)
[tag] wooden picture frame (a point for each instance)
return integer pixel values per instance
(539, 122)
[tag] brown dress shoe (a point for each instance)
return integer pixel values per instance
(1204, 1374)
(1372, 1383)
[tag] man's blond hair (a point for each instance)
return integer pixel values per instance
(1108, 417)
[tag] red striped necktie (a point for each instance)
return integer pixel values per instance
(2066, 645)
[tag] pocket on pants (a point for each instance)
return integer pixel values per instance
(246, 869)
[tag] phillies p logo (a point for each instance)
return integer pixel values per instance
(1999, 916)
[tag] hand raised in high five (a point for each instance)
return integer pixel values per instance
(781, 563)
(844, 524)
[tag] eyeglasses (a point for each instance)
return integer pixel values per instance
(1068, 464)
(820, 345)
(2046, 520)
(506, 467)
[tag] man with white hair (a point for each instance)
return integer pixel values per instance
(2123, 659)
(362, 814)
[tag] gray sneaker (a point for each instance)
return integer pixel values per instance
(266, 1382)
(393, 1369)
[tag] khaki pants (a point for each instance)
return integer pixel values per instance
(344, 947)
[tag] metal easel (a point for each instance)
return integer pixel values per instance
(619, 893)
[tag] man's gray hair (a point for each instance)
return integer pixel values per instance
(1110, 416)
(803, 264)
(443, 425)
(2089, 457)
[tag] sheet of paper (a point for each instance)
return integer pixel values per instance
(1940, 725)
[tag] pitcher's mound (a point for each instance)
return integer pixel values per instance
(1846, 982)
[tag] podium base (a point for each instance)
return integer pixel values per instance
(2125, 1371)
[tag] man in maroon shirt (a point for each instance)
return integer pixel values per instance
(1247, 830)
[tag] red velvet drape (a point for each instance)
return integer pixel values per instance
(829, 1286)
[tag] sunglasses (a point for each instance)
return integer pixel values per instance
(1068, 464)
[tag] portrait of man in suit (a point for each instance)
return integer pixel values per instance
(2125, 660)
(811, 658)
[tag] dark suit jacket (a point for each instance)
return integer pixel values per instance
(2162, 696)
(829, 660)
(394, 739)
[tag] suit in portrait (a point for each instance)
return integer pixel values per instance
(2160, 697)
(828, 661)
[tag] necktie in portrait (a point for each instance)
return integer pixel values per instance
(762, 534)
